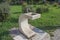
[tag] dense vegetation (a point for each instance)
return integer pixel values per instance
(18, 2)
(4, 10)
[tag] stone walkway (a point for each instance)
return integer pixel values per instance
(56, 35)
(40, 35)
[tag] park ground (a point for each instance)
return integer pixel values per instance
(48, 22)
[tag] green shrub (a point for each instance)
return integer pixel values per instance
(45, 9)
(38, 10)
(26, 8)
(55, 4)
(42, 9)
(4, 11)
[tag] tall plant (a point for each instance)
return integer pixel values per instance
(4, 10)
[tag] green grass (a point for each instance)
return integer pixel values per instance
(12, 21)
(48, 22)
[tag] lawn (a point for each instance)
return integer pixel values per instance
(48, 22)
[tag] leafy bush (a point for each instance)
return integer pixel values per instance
(26, 8)
(55, 4)
(4, 11)
(46, 9)
(42, 9)
(38, 10)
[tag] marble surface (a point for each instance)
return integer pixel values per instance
(24, 26)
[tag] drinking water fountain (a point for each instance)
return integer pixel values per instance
(24, 26)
